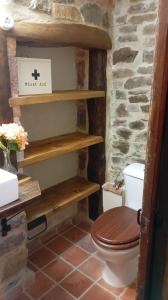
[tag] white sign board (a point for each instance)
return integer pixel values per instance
(34, 76)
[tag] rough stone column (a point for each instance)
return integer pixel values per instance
(13, 258)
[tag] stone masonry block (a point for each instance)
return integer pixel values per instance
(139, 19)
(122, 73)
(142, 8)
(137, 125)
(125, 54)
(12, 263)
(11, 241)
(60, 11)
(128, 38)
(138, 82)
(149, 29)
(92, 13)
(128, 29)
(148, 56)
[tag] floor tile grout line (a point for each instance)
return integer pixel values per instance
(58, 234)
(95, 282)
(74, 226)
(48, 291)
(51, 279)
(73, 244)
(123, 292)
(35, 250)
(41, 268)
(107, 289)
(42, 246)
(56, 257)
(67, 291)
(85, 292)
(64, 260)
(70, 264)
(77, 269)
(24, 291)
(34, 265)
(59, 282)
(60, 256)
(76, 244)
(74, 268)
(72, 241)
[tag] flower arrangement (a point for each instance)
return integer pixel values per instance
(12, 137)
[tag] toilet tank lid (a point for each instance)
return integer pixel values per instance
(135, 170)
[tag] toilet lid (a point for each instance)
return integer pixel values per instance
(117, 226)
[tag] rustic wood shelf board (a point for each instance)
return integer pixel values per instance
(56, 146)
(61, 196)
(55, 97)
(77, 35)
(28, 190)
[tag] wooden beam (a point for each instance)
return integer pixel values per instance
(6, 115)
(60, 196)
(156, 122)
(76, 35)
(55, 97)
(97, 126)
(5, 93)
(56, 146)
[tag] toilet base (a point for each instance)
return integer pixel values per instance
(120, 275)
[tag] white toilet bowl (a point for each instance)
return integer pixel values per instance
(115, 235)
(120, 266)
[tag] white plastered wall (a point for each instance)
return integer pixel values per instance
(47, 120)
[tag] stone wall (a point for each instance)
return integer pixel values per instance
(94, 12)
(131, 24)
(129, 72)
(13, 259)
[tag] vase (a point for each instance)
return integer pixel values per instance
(7, 165)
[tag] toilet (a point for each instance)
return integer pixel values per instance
(116, 232)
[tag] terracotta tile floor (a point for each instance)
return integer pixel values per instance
(67, 267)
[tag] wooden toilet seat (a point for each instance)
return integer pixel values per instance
(116, 229)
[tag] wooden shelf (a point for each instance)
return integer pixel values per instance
(61, 196)
(56, 146)
(28, 190)
(55, 97)
(74, 35)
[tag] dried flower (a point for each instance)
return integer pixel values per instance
(12, 137)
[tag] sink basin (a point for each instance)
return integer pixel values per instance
(9, 189)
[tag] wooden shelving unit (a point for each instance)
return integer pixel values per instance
(56, 146)
(96, 41)
(55, 97)
(60, 196)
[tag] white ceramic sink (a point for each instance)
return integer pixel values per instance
(9, 190)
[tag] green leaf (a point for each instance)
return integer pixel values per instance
(13, 146)
(2, 146)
